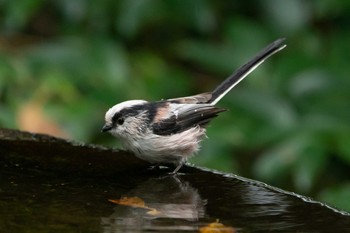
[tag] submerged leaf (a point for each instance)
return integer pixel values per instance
(216, 227)
(137, 203)
(130, 201)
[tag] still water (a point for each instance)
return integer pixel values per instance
(33, 200)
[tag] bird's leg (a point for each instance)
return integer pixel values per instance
(177, 169)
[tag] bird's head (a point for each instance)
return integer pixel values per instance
(126, 118)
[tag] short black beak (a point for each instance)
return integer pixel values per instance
(106, 128)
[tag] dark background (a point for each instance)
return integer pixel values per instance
(63, 63)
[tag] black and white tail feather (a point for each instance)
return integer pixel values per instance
(170, 131)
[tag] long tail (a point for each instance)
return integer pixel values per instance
(246, 69)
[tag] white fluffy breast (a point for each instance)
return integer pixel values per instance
(174, 148)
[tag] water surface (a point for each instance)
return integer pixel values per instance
(50, 185)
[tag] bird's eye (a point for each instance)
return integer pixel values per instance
(120, 121)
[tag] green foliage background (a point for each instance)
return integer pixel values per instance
(288, 123)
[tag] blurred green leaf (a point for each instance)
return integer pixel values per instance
(18, 13)
(311, 162)
(290, 16)
(210, 56)
(310, 82)
(272, 109)
(343, 143)
(277, 162)
(337, 196)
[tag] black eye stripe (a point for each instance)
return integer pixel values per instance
(116, 117)
(127, 112)
(149, 108)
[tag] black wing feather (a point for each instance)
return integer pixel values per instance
(198, 116)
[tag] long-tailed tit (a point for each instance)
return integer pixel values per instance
(170, 131)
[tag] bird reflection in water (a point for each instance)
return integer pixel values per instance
(165, 203)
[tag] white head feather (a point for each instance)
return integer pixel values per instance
(118, 107)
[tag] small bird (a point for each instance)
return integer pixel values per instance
(170, 131)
